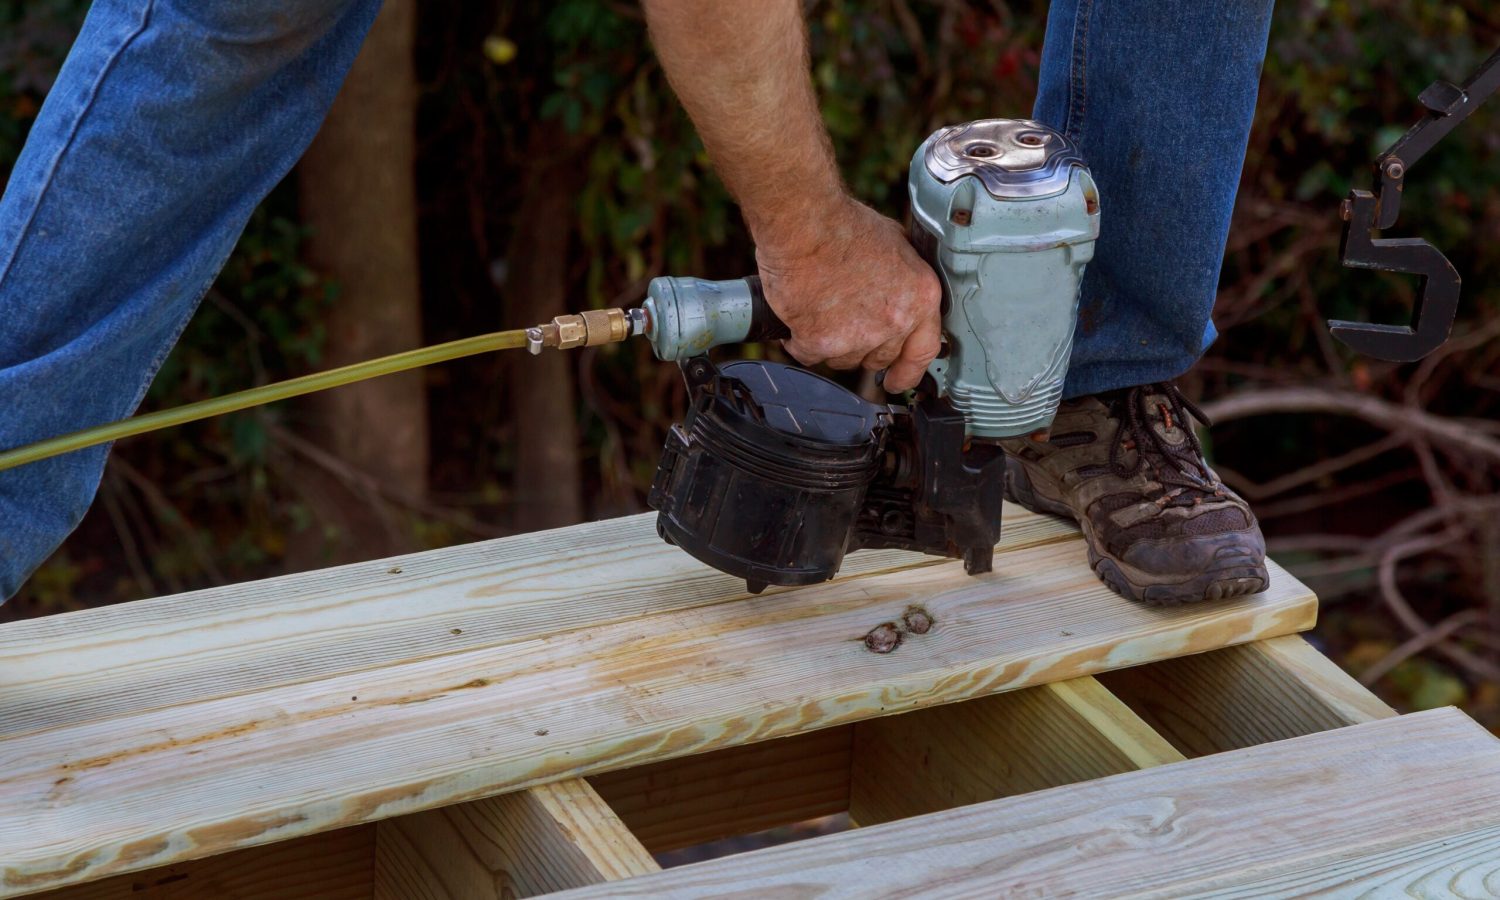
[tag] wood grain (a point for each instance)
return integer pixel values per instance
(334, 865)
(132, 657)
(1466, 867)
(1361, 811)
(531, 842)
(101, 797)
(1246, 695)
(992, 747)
(737, 790)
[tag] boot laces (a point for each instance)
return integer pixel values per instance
(1184, 469)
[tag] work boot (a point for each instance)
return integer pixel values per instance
(1161, 527)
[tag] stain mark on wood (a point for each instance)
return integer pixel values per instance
(99, 762)
(240, 831)
(363, 808)
(139, 851)
(18, 879)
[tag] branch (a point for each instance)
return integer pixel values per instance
(366, 483)
(1414, 645)
(170, 516)
(1391, 593)
(1320, 469)
(1420, 377)
(1376, 411)
(138, 568)
(1323, 499)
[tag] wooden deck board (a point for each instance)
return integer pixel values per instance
(135, 781)
(88, 665)
(1407, 806)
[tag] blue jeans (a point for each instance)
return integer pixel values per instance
(1160, 95)
(169, 122)
(172, 119)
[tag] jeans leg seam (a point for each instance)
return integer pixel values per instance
(1078, 87)
(62, 151)
(182, 324)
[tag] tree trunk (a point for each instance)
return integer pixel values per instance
(358, 195)
(547, 489)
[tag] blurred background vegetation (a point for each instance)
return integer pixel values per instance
(493, 164)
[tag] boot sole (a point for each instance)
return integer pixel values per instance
(1237, 578)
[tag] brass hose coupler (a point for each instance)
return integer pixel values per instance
(586, 329)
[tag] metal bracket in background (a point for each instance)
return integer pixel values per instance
(1364, 213)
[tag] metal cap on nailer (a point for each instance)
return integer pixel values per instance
(1013, 158)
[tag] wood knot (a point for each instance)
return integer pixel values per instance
(918, 620)
(883, 638)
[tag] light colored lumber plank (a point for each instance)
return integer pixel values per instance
(1245, 695)
(1466, 867)
(1356, 809)
(334, 865)
(678, 803)
(992, 747)
(1116, 723)
(531, 842)
(98, 798)
(131, 657)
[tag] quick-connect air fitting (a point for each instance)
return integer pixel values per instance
(586, 329)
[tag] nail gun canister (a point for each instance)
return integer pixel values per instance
(1007, 214)
(768, 471)
(775, 473)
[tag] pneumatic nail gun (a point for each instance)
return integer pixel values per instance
(775, 473)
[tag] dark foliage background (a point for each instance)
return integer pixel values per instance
(1377, 484)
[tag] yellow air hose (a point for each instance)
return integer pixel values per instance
(282, 390)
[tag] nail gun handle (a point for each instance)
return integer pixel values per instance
(689, 316)
(765, 325)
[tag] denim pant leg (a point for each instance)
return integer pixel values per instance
(169, 122)
(1160, 94)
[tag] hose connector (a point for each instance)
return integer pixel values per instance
(586, 329)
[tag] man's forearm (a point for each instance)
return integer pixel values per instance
(841, 276)
(741, 70)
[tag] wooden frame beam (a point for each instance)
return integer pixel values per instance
(978, 750)
(737, 790)
(1241, 696)
(532, 842)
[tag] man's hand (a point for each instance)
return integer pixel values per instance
(858, 295)
(839, 274)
